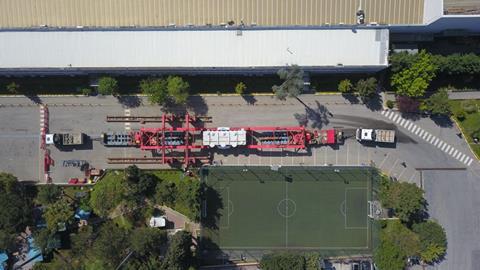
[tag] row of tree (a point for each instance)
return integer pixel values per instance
(412, 235)
(366, 88)
(290, 261)
(454, 64)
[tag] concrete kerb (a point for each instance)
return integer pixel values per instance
(464, 136)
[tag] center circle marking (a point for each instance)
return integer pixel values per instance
(287, 208)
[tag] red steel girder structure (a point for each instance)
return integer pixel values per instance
(167, 139)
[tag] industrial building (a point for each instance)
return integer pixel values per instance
(137, 37)
(192, 51)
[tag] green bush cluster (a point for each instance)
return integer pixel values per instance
(454, 64)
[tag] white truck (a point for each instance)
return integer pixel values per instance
(65, 139)
(375, 135)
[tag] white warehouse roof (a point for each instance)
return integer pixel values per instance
(193, 49)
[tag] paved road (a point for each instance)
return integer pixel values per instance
(453, 201)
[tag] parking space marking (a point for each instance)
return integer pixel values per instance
(384, 159)
(393, 166)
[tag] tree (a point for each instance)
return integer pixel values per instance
(48, 194)
(188, 199)
(414, 80)
(389, 257)
(15, 207)
(407, 105)
(13, 88)
(7, 240)
(345, 86)
(179, 254)
(57, 214)
(292, 85)
(366, 88)
(166, 192)
(106, 195)
(240, 88)
(46, 240)
(282, 261)
(433, 240)
(397, 243)
(81, 242)
(406, 199)
(156, 90)
(438, 103)
(148, 241)
(107, 86)
(399, 235)
(110, 245)
(177, 88)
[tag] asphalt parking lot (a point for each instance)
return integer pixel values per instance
(20, 134)
(20, 142)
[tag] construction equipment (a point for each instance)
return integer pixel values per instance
(375, 135)
(169, 140)
(65, 139)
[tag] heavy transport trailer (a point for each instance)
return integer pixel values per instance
(168, 141)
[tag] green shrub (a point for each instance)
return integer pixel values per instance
(86, 91)
(13, 88)
(390, 104)
(469, 106)
(240, 88)
(460, 114)
(107, 86)
(345, 86)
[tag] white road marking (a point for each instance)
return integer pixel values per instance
(391, 115)
(437, 141)
(383, 112)
(451, 150)
(421, 132)
(444, 146)
(395, 118)
(414, 129)
(458, 155)
(432, 139)
(463, 157)
(401, 122)
(455, 153)
(410, 124)
(427, 136)
(447, 148)
(470, 162)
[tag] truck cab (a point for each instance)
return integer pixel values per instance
(363, 134)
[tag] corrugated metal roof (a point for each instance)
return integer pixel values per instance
(143, 13)
(193, 49)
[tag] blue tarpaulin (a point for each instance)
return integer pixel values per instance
(3, 260)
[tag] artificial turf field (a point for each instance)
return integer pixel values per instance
(322, 208)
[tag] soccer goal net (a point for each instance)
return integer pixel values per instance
(374, 209)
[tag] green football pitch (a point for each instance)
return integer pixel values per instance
(322, 208)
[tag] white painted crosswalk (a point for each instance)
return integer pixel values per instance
(418, 131)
